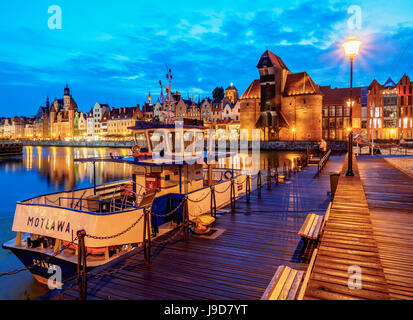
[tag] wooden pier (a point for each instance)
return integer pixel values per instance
(389, 194)
(239, 264)
(348, 242)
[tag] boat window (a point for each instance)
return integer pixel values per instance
(172, 137)
(140, 140)
(156, 139)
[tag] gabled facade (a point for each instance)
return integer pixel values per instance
(290, 104)
(405, 107)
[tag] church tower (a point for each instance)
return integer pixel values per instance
(66, 98)
(149, 97)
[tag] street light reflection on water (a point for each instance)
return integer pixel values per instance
(43, 170)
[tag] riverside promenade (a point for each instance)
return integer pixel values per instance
(389, 194)
(370, 226)
(347, 244)
(239, 264)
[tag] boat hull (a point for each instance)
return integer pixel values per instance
(44, 271)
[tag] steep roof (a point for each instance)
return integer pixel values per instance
(339, 96)
(253, 91)
(300, 83)
(375, 83)
(389, 83)
(269, 59)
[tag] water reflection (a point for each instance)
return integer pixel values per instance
(56, 165)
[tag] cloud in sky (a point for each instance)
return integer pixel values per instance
(113, 52)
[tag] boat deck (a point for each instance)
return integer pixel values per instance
(389, 194)
(238, 264)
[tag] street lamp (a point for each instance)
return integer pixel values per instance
(351, 49)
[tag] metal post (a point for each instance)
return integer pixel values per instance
(248, 189)
(185, 221)
(145, 248)
(269, 179)
(213, 203)
(180, 179)
(94, 177)
(259, 183)
(81, 265)
(134, 187)
(232, 196)
(350, 135)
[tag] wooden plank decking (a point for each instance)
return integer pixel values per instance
(239, 264)
(348, 240)
(389, 194)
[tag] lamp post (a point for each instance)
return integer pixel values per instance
(351, 49)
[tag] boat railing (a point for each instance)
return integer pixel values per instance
(96, 205)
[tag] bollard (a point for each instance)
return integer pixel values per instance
(81, 265)
(269, 179)
(259, 183)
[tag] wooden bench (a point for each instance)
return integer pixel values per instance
(284, 285)
(311, 228)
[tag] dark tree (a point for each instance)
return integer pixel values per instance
(218, 93)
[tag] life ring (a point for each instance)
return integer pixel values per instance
(136, 149)
(226, 173)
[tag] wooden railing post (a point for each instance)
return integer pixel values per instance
(81, 265)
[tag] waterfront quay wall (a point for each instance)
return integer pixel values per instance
(81, 144)
(265, 145)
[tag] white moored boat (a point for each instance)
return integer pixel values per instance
(112, 214)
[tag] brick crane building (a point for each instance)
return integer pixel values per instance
(284, 105)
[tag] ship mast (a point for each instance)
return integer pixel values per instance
(169, 116)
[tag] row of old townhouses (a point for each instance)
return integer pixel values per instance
(280, 104)
(61, 119)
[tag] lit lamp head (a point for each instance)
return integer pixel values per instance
(293, 129)
(351, 47)
(350, 103)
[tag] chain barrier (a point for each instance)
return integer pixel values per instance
(229, 186)
(119, 233)
(240, 183)
(200, 200)
(171, 212)
(40, 261)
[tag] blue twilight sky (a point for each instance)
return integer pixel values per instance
(114, 51)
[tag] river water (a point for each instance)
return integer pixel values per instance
(43, 170)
